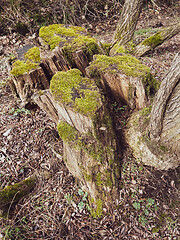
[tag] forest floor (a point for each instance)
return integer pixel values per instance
(148, 205)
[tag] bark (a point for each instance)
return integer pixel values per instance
(127, 22)
(156, 40)
(160, 102)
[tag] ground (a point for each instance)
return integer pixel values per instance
(148, 206)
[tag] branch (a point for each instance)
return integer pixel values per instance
(156, 40)
(168, 84)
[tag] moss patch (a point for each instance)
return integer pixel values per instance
(127, 64)
(56, 33)
(21, 67)
(153, 41)
(67, 132)
(98, 211)
(71, 89)
(16, 191)
(33, 54)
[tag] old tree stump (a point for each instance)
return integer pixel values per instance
(69, 77)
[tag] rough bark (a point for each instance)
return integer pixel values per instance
(127, 22)
(168, 84)
(156, 40)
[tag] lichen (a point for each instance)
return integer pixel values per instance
(67, 132)
(126, 64)
(76, 91)
(21, 67)
(33, 54)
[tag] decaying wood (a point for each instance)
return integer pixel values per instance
(54, 61)
(160, 102)
(156, 40)
(45, 101)
(125, 90)
(27, 83)
(127, 22)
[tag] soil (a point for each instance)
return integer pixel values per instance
(149, 203)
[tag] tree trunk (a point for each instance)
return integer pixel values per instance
(127, 22)
(156, 40)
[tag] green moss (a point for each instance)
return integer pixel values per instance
(33, 54)
(146, 111)
(67, 132)
(21, 67)
(98, 179)
(153, 41)
(151, 85)
(108, 180)
(106, 47)
(87, 44)
(126, 64)
(56, 33)
(71, 89)
(98, 211)
(119, 49)
(14, 192)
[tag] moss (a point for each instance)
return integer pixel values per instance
(98, 211)
(98, 179)
(67, 132)
(106, 47)
(126, 64)
(153, 41)
(33, 54)
(119, 49)
(71, 89)
(87, 44)
(21, 67)
(14, 192)
(146, 111)
(151, 85)
(108, 180)
(56, 33)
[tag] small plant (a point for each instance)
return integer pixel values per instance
(82, 203)
(18, 111)
(68, 197)
(118, 108)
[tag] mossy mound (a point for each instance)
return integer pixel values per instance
(21, 67)
(70, 39)
(32, 62)
(76, 91)
(127, 64)
(33, 54)
(56, 33)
